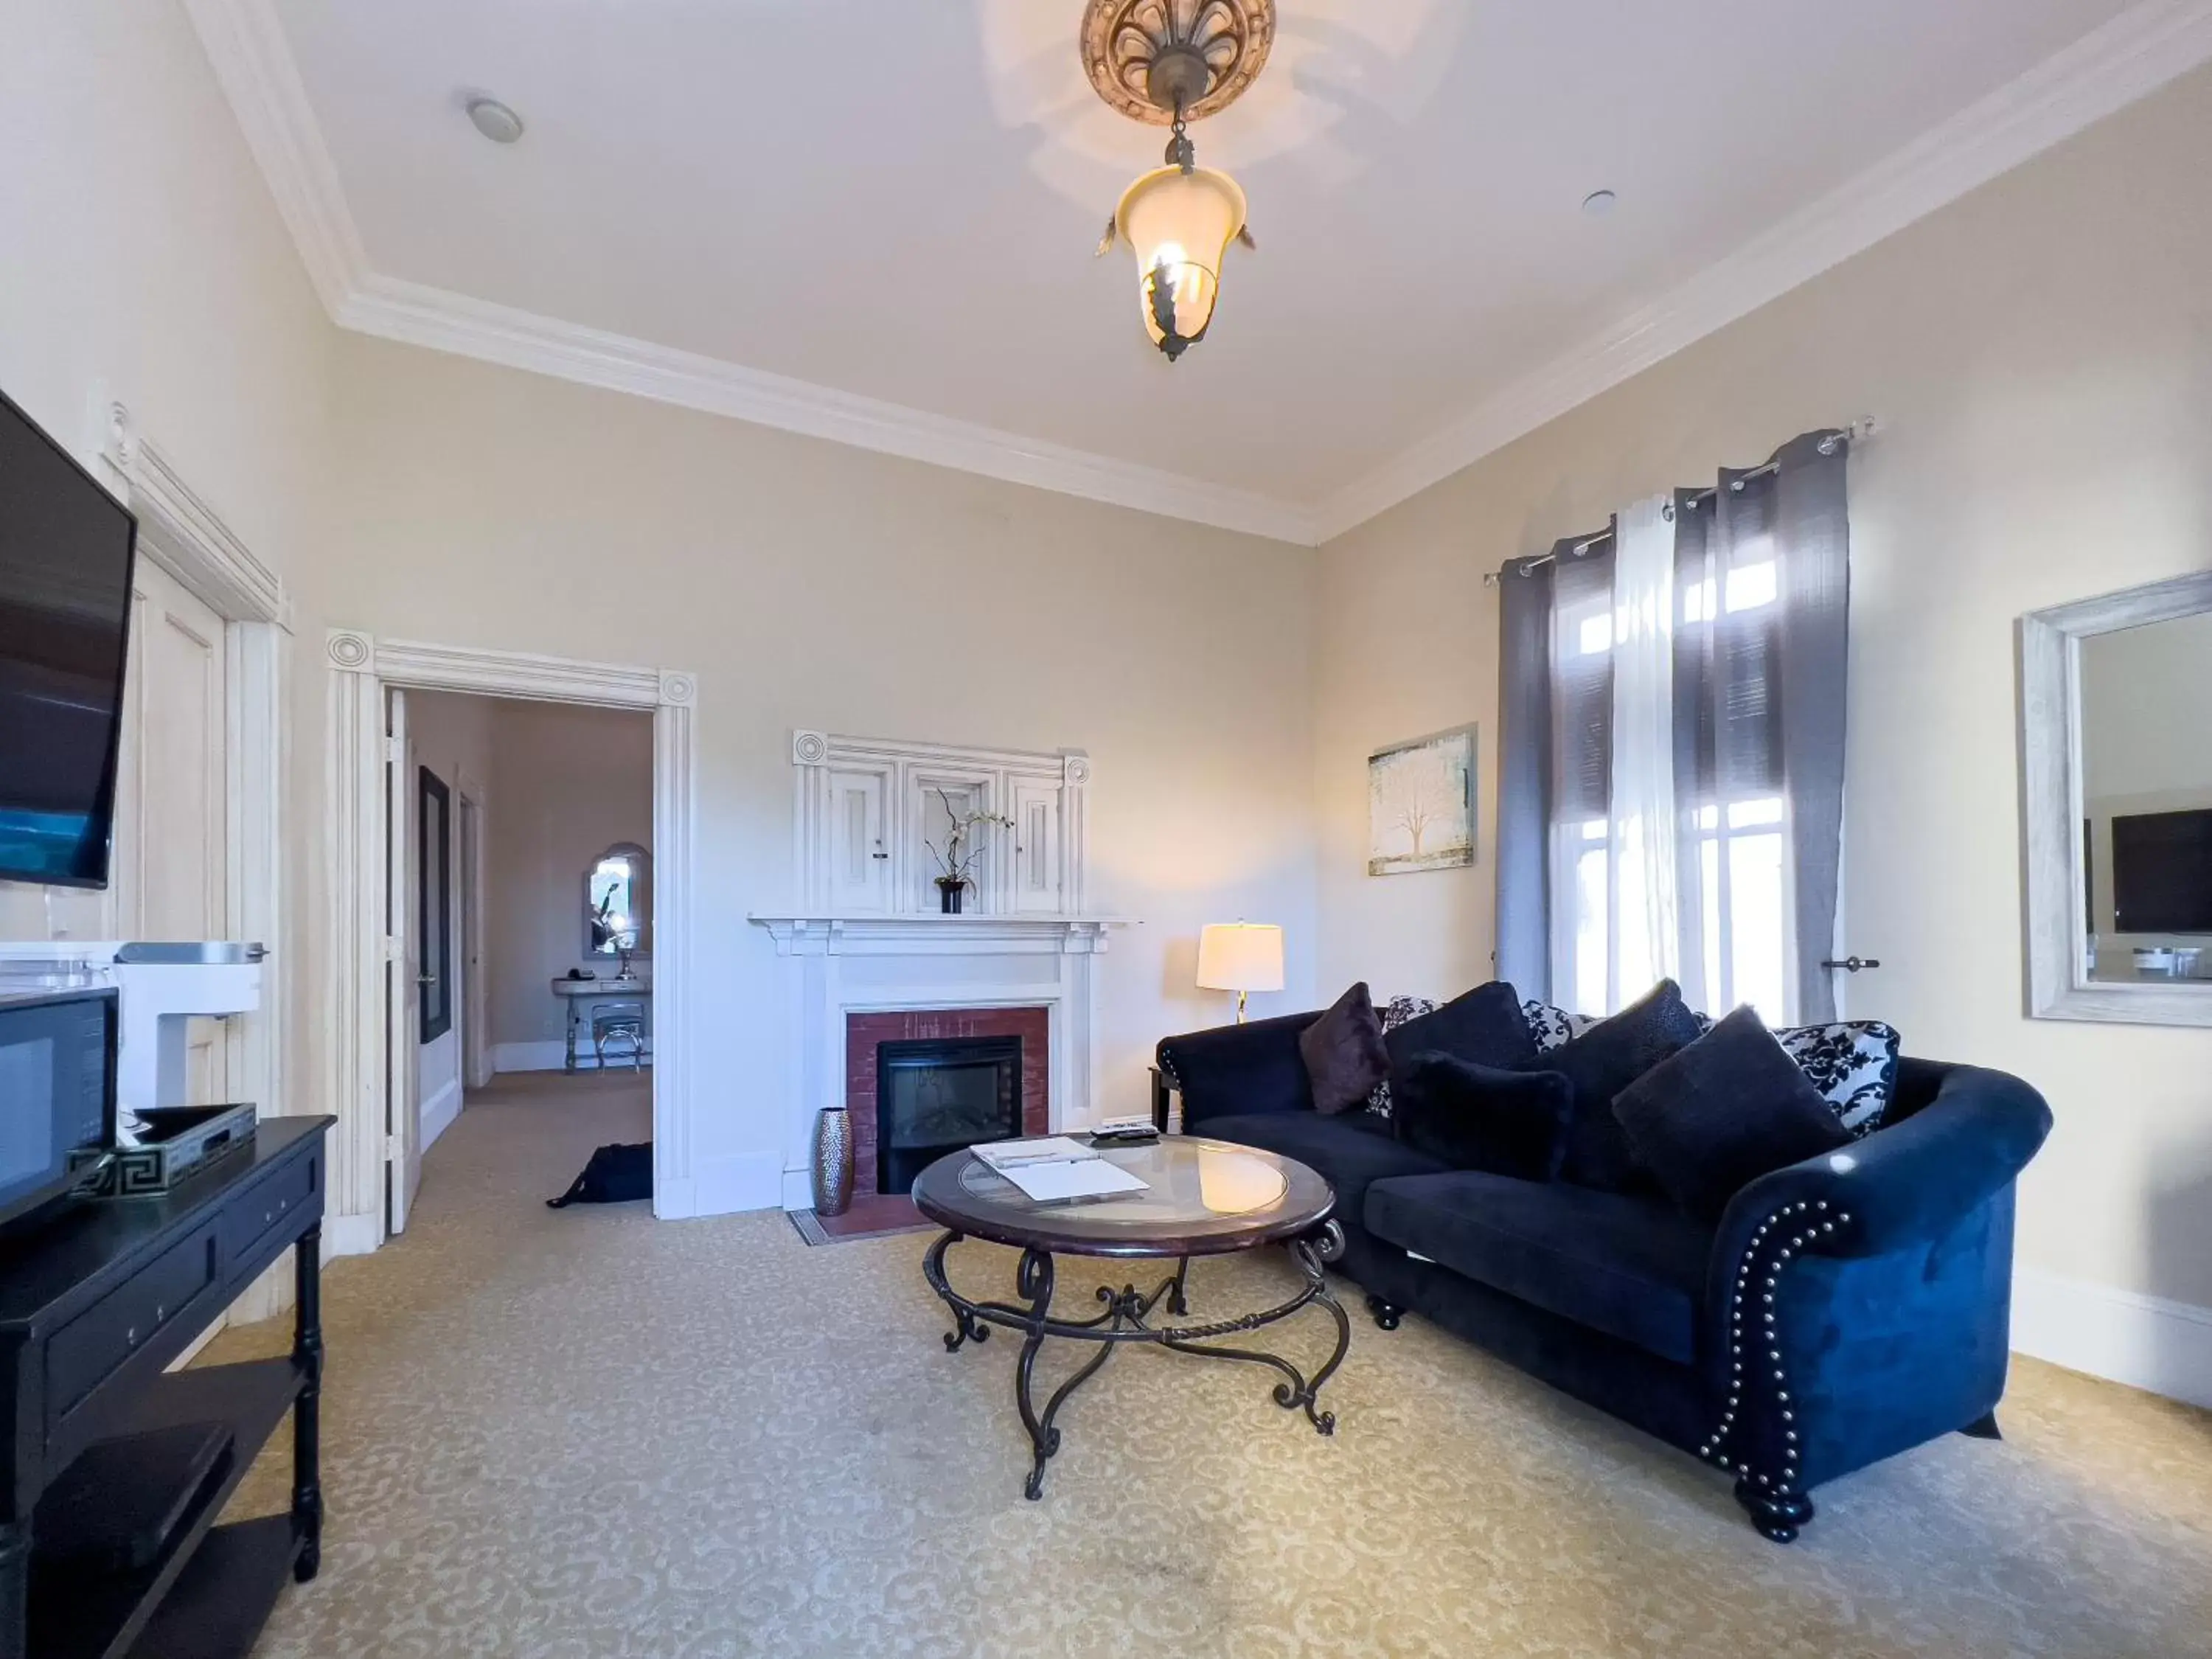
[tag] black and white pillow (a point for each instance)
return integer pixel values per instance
(1392, 1014)
(1553, 1026)
(1853, 1063)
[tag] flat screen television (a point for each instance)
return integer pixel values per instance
(2162, 872)
(65, 551)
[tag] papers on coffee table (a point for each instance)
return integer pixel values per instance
(1053, 1168)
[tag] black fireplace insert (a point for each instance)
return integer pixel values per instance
(936, 1097)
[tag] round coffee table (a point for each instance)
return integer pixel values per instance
(1201, 1197)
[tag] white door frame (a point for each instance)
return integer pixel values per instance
(474, 1015)
(361, 667)
(185, 536)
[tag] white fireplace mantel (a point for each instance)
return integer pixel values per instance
(845, 964)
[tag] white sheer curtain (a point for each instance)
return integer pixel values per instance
(1644, 924)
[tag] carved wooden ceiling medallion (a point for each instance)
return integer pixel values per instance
(1142, 55)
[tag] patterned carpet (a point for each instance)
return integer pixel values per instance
(582, 1433)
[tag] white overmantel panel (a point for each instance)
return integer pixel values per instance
(863, 807)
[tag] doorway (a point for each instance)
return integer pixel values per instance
(374, 957)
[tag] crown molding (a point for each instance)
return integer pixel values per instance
(245, 43)
(2127, 58)
(253, 62)
(2132, 55)
(444, 321)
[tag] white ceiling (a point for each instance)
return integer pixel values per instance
(896, 200)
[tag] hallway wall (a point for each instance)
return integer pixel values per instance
(568, 783)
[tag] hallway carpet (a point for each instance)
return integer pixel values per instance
(576, 1434)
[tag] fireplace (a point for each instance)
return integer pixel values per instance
(934, 1097)
(891, 1051)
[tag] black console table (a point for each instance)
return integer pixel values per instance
(92, 1308)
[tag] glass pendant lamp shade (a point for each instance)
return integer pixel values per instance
(1180, 223)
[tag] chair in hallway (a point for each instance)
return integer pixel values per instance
(619, 1022)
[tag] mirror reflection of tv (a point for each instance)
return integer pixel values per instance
(66, 547)
(2162, 872)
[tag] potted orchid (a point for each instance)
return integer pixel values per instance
(963, 845)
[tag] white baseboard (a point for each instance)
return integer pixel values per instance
(351, 1235)
(2144, 1341)
(438, 1112)
(549, 1056)
(799, 1190)
(751, 1181)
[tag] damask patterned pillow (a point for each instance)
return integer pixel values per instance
(1853, 1063)
(1395, 1013)
(1553, 1026)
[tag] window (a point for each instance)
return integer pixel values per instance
(1731, 834)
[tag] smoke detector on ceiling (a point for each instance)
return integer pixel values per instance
(495, 120)
(1598, 203)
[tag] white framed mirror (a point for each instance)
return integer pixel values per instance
(2115, 744)
(618, 903)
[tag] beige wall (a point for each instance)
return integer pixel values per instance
(142, 260)
(2040, 356)
(569, 783)
(807, 584)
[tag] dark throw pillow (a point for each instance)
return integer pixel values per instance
(1485, 1025)
(1474, 1116)
(1343, 1052)
(1730, 1108)
(1602, 1062)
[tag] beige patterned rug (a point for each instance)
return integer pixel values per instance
(583, 1433)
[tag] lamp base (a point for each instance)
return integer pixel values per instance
(1240, 1007)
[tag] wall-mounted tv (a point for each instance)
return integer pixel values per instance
(65, 551)
(2162, 872)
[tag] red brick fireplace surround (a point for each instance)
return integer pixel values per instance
(864, 1032)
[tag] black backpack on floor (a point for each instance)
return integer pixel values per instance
(615, 1174)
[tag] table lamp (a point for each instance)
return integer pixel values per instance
(1240, 957)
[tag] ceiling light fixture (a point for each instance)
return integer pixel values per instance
(1166, 63)
(495, 120)
(1598, 203)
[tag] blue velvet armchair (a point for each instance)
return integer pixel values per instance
(1845, 1309)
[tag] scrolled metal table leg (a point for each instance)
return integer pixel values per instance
(966, 1328)
(1178, 1303)
(1034, 1280)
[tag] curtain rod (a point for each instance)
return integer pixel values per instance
(1857, 432)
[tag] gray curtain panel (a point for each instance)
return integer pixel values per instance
(1758, 707)
(1813, 528)
(1524, 775)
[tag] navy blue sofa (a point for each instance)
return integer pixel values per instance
(1845, 1309)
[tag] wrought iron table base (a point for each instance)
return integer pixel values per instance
(1123, 1320)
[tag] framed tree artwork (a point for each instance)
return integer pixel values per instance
(1420, 803)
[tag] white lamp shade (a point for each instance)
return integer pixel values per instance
(1180, 224)
(1240, 956)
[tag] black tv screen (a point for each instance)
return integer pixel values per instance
(65, 551)
(2162, 872)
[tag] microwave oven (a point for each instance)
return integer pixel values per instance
(57, 1093)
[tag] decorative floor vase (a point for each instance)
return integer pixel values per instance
(948, 897)
(833, 1161)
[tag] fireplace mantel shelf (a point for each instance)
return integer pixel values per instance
(930, 934)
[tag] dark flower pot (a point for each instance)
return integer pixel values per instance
(948, 896)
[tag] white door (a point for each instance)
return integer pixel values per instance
(860, 858)
(403, 1130)
(172, 833)
(1036, 847)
